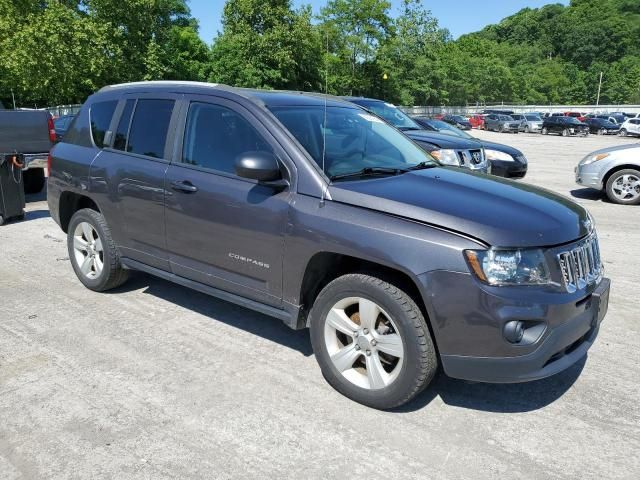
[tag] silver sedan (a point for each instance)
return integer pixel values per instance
(615, 170)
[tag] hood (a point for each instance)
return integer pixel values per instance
(442, 140)
(514, 152)
(620, 148)
(497, 211)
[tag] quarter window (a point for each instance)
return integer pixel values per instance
(215, 136)
(101, 114)
(149, 127)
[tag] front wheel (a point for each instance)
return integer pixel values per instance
(93, 254)
(623, 132)
(371, 341)
(565, 132)
(527, 129)
(545, 131)
(623, 187)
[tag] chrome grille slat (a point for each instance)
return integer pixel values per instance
(581, 265)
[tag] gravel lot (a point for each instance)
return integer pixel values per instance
(157, 381)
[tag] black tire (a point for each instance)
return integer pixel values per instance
(113, 274)
(544, 131)
(420, 360)
(611, 182)
(565, 132)
(34, 180)
(623, 132)
(1, 220)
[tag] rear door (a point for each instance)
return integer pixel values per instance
(223, 230)
(130, 173)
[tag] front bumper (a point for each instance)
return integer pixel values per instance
(468, 323)
(590, 175)
(508, 169)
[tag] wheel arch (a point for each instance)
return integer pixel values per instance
(617, 168)
(324, 267)
(70, 203)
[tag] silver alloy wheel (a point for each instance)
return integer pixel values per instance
(626, 188)
(88, 250)
(623, 133)
(363, 343)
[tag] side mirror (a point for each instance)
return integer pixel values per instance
(260, 166)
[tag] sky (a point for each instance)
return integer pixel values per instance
(459, 16)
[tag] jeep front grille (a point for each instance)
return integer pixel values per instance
(581, 265)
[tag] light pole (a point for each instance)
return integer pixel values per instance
(599, 88)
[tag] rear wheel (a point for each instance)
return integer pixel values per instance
(545, 131)
(623, 187)
(371, 341)
(92, 252)
(34, 180)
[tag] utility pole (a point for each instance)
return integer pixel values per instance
(599, 88)
(13, 97)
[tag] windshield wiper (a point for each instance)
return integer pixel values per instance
(369, 171)
(423, 166)
(409, 129)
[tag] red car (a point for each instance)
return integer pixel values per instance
(477, 121)
(579, 115)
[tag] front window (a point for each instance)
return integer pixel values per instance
(393, 115)
(350, 140)
(444, 127)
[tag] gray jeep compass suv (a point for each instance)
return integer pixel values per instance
(314, 211)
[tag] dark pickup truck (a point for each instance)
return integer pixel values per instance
(312, 210)
(31, 133)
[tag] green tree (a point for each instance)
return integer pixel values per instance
(266, 44)
(354, 29)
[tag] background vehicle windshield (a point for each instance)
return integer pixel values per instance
(505, 118)
(573, 121)
(533, 118)
(448, 129)
(393, 115)
(355, 139)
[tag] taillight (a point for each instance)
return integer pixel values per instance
(52, 130)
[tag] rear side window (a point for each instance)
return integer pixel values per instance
(215, 136)
(100, 115)
(149, 127)
(122, 131)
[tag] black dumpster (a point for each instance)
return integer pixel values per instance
(11, 188)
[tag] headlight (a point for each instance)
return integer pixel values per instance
(446, 157)
(497, 155)
(593, 158)
(509, 267)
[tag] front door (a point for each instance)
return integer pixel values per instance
(222, 230)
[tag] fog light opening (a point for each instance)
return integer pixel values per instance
(514, 331)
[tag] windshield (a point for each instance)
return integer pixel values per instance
(355, 140)
(573, 121)
(392, 114)
(533, 118)
(505, 118)
(448, 129)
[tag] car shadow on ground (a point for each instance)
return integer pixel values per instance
(498, 398)
(226, 312)
(589, 194)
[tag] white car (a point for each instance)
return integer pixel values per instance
(630, 127)
(615, 170)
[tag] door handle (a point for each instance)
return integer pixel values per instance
(184, 186)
